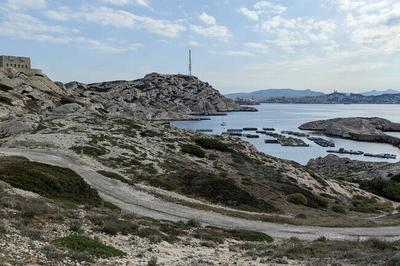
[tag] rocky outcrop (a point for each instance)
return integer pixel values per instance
(21, 94)
(336, 167)
(357, 128)
(159, 97)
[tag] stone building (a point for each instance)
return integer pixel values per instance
(21, 64)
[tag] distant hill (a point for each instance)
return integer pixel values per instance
(273, 93)
(340, 98)
(377, 93)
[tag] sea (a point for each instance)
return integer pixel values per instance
(291, 116)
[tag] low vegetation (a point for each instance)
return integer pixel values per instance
(80, 243)
(388, 189)
(49, 181)
(297, 198)
(369, 205)
(193, 150)
(89, 151)
(212, 144)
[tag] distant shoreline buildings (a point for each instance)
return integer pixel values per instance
(18, 63)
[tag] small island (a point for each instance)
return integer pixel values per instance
(370, 129)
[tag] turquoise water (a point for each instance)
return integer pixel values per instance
(290, 116)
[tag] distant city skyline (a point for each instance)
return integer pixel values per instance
(237, 45)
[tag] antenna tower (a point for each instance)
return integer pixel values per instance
(190, 62)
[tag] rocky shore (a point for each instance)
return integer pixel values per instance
(357, 128)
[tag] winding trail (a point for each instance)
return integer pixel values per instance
(144, 204)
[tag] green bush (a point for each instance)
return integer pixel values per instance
(212, 144)
(193, 150)
(387, 189)
(251, 236)
(48, 181)
(89, 151)
(297, 198)
(322, 201)
(339, 208)
(80, 243)
(113, 227)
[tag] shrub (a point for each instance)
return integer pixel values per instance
(89, 151)
(152, 261)
(212, 144)
(387, 189)
(48, 181)
(113, 227)
(80, 243)
(297, 198)
(339, 208)
(194, 223)
(251, 236)
(50, 252)
(322, 201)
(193, 150)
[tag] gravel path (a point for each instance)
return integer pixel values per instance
(141, 203)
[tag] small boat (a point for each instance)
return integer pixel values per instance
(250, 129)
(268, 128)
(223, 124)
(271, 141)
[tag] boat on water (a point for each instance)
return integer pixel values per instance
(250, 129)
(268, 128)
(223, 124)
(204, 130)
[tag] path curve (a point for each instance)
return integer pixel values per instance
(144, 204)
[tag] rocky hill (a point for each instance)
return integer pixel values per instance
(357, 128)
(157, 97)
(340, 98)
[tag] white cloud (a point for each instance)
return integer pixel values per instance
(372, 24)
(257, 47)
(25, 27)
(207, 19)
(262, 8)
(121, 19)
(211, 30)
(215, 32)
(144, 3)
(288, 34)
(22, 4)
(250, 14)
(238, 53)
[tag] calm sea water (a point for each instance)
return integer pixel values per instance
(290, 116)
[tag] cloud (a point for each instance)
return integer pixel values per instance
(211, 30)
(24, 4)
(207, 19)
(288, 34)
(250, 14)
(262, 8)
(144, 3)
(238, 53)
(257, 47)
(374, 25)
(120, 19)
(25, 27)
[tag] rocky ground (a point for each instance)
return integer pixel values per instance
(357, 128)
(113, 127)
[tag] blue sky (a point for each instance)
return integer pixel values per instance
(238, 45)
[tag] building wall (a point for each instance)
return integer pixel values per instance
(20, 63)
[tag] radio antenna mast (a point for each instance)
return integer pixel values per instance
(190, 62)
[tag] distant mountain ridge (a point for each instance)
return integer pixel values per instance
(377, 93)
(340, 98)
(272, 93)
(268, 94)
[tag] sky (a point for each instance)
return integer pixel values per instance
(237, 45)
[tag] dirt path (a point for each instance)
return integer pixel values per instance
(142, 203)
